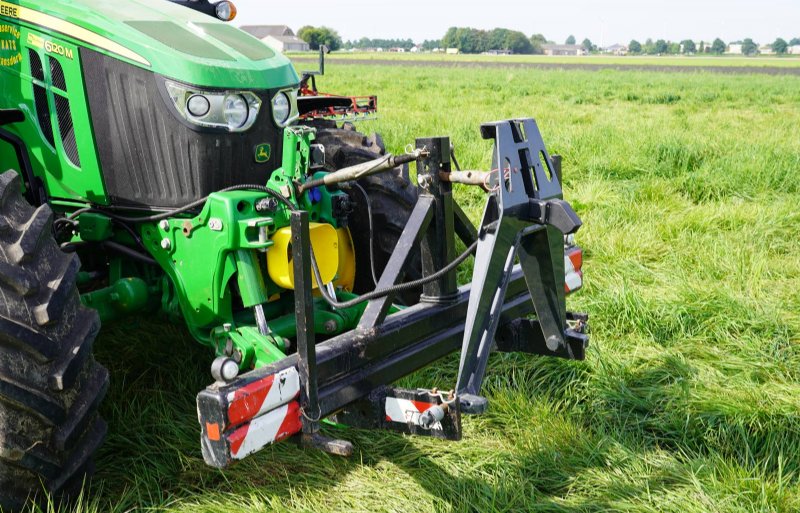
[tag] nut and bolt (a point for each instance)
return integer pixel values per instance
(164, 225)
(165, 244)
(215, 224)
(266, 205)
(330, 326)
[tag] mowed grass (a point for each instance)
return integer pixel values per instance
(689, 400)
(786, 61)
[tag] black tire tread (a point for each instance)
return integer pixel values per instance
(50, 384)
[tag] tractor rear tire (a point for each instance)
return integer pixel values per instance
(392, 198)
(50, 384)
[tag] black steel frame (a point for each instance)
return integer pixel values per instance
(355, 367)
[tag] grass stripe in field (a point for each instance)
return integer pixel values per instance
(562, 65)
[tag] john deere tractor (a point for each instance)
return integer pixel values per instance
(159, 160)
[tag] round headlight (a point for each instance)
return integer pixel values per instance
(198, 105)
(281, 108)
(236, 111)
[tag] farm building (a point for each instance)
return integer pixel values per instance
(564, 50)
(735, 48)
(616, 49)
(794, 50)
(766, 50)
(280, 37)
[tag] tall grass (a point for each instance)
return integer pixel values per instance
(689, 400)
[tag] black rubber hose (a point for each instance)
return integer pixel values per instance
(389, 290)
(125, 250)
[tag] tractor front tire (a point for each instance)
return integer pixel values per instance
(50, 384)
(392, 197)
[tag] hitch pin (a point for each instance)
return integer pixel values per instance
(261, 320)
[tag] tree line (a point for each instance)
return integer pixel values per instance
(471, 40)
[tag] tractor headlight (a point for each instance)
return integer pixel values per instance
(236, 110)
(284, 107)
(233, 111)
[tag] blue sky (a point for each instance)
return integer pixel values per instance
(604, 22)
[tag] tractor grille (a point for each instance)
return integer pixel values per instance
(67, 130)
(150, 157)
(43, 113)
(57, 75)
(37, 70)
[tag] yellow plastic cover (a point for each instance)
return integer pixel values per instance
(325, 242)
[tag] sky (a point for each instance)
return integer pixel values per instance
(605, 22)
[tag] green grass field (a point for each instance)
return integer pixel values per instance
(675, 60)
(689, 401)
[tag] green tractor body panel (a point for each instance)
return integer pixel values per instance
(89, 75)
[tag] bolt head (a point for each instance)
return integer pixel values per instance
(165, 244)
(330, 326)
(164, 225)
(215, 224)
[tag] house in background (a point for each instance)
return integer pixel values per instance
(564, 50)
(794, 50)
(766, 50)
(279, 37)
(616, 49)
(735, 48)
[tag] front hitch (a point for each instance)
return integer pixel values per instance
(525, 217)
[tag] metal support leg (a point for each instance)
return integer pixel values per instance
(439, 245)
(306, 341)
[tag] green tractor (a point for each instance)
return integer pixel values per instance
(159, 160)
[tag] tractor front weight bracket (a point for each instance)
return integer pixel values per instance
(508, 307)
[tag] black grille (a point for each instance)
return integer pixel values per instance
(67, 129)
(57, 74)
(150, 157)
(43, 113)
(37, 70)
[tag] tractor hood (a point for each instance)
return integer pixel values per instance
(167, 39)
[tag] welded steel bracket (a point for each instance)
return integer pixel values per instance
(525, 218)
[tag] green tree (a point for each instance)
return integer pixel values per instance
(587, 45)
(749, 47)
(635, 47)
(316, 36)
(702, 48)
(449, 39)
(794, 41)
(537, 43)
(570, 40)
(718, 46)
(689, 47)
(780, 46)
(661, 47)
(518, 43)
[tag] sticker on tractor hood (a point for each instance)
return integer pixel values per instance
(10, 54)
(68, 29)
(49, 46)
(263, 153)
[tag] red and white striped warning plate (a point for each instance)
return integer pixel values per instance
(573, 275)
(406, 411)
